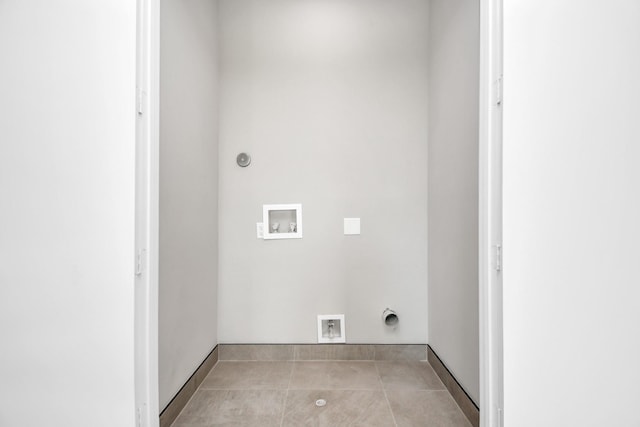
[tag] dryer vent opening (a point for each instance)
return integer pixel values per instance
(390, 317)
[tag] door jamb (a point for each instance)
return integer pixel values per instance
(147, 214)
(490, 215)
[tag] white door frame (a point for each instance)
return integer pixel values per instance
(490, 215)
(147, 210)
(147, 214)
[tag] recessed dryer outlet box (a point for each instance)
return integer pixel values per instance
(331, 328)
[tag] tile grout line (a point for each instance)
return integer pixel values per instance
(459, 408)
(193, 396)
(296, 364)
(444, 387)
(386, 398)
(185, 407)
(286, 395)
(301, 389)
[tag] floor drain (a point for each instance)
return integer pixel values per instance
(321, 402)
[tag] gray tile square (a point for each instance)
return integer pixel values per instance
(408, 376)
(414, 352)
(335, 375)
(180, 401)
(334, 352)
(361, 408)
(280, 352)
(425, 408)
(465, 403)
(206, 367)
(249, 375)
(259, 408)
(274, 393)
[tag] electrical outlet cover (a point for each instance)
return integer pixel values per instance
(351, 226)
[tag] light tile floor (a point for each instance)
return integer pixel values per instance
(358, 393)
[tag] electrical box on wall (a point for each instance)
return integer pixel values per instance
(351, 226)
(282, 221)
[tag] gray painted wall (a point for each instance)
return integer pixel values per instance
(188, 190)
(453, 188)
(330, 99)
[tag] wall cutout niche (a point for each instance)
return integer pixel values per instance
(282, 221)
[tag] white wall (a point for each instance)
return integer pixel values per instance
(453, 188)
(571, 213)
(330, 99)
(188, 190)
(67, 147)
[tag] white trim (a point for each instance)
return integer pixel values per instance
(324, 339)
(283, 233)
(490, 214)
(147, 207)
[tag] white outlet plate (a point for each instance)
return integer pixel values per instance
(351, 226)
(260, 230)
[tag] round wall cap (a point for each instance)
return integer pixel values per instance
(243, 160)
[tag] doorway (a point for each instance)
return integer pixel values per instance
(487, 249)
